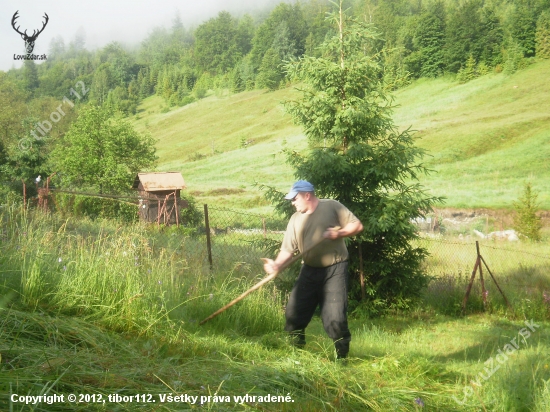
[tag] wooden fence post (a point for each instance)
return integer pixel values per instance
(208, 243)
(361, 273)
(479, 261)
(24, 195)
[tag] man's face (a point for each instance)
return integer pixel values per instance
(300, 202)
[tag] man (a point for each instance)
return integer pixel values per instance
(317, 230)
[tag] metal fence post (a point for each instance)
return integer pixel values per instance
(24, 195)
(361, 273)
(208, 244)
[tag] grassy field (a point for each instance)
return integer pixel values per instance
(110, 309)
(485, 138)
(207, 142)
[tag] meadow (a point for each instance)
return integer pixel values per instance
(484, 139)
(99, 307)
(103, 308)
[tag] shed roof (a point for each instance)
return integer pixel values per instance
(159, 181)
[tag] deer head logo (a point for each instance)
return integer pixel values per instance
(29, 40)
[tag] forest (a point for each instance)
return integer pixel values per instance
(415, 39)
(237, 53)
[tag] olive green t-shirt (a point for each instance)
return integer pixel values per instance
(304, 231)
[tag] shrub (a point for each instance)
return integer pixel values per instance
(192, 215)
(78, 205)
(526, 220)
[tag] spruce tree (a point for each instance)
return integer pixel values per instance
(468, 72)
(526, 221)
(492, 36)
(524, 27)
(358, 156)
(30, 77)
(543, 35)
(269, 74)
(464, 35)
(430, 38)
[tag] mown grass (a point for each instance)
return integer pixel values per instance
(486, 138)
(119, 314)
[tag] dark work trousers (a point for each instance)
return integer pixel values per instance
(328, 288)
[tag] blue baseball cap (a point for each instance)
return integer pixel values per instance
(299, 186)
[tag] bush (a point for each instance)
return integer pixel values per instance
(191, 216)
(468, 72)
(526, 220)
(95, 207)
(200, 92)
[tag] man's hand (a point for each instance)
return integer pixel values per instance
(270, 266)
(332, 233)
(351, 229)
(274, 266)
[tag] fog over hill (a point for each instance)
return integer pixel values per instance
(104, 21)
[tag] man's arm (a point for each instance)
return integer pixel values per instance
(272, 266)
(351, 229)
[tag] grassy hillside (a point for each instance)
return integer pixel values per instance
(485, 139)
(223, 144)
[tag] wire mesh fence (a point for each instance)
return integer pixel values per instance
(518, 274)
(240, 240)
(228, 240)
(510, 260)
(519, 270)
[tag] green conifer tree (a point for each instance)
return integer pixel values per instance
(543, 35)
(523, 28)
(270, 75)
(526, 220)
(468, 72)
(359, 157)
(430, 37)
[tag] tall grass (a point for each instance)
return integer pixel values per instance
(119, 313)
(127, 277)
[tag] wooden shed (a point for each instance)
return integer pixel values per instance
(159, 196)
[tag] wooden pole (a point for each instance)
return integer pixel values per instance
(477, 264)
(24, 194)
(47, 194)
(494, 280)
(208, 243)
(177, 211)
(158, 212)
(164, 208)
(361, 274)
(483, 291)
(479, 260)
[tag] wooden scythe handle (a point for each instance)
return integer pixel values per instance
(261, 282)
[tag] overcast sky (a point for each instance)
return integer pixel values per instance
(104, 21)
